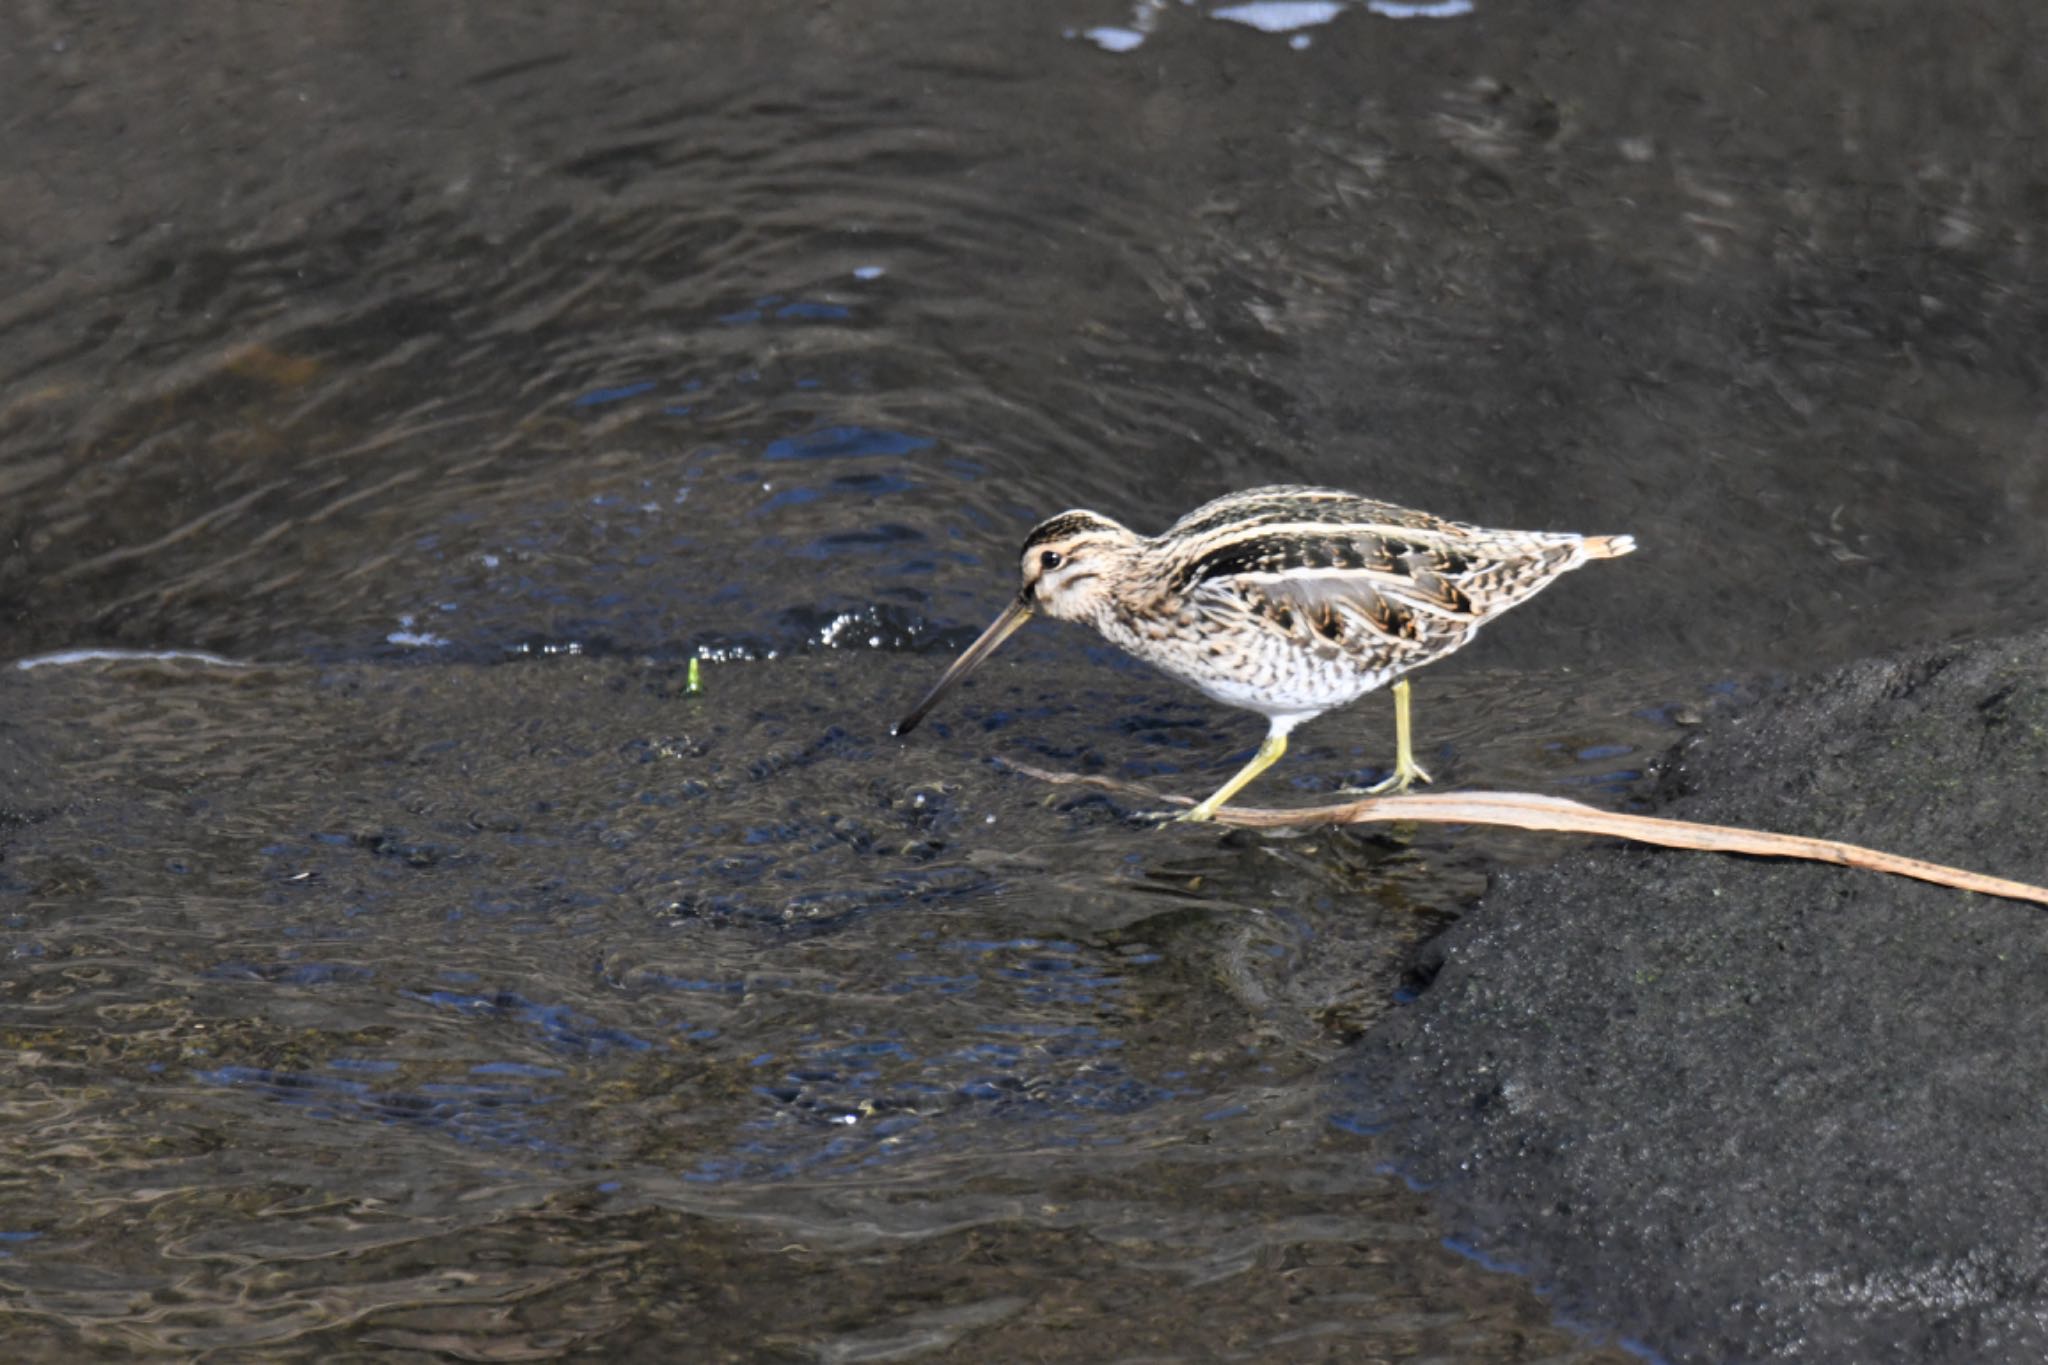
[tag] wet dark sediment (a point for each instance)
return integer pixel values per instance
(1769, 1111)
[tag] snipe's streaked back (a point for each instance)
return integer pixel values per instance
(1287, 601)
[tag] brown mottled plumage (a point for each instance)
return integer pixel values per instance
(1287, 601)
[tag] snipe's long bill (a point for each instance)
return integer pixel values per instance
(1004, 626)
(1288, 601)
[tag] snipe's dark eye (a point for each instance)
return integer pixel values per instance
(1050, 559)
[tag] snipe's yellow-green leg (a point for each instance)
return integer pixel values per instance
(1275, 744)
(1407, 772)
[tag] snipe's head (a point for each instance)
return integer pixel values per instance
(1068, 566)
(1070, 563)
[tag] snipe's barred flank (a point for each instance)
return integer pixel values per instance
(1286, 601)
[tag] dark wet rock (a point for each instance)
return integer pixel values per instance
(1753, 1110)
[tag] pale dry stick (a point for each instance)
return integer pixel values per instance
(1529, 810)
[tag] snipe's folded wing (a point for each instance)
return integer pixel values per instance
(1333, 585)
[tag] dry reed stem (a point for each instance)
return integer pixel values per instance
(1529, 810)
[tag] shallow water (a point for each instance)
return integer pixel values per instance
(432, 970)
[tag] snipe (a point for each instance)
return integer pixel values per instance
(1287, 601)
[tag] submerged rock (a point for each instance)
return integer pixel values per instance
(1742, 1109)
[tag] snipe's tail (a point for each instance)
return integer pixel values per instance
(1608, 547)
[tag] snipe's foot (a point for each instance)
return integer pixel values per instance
(1160, 818)
(1405, 775)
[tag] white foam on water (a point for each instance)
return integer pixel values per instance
(1280, 16)
(61, 658)
(1442, 9)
